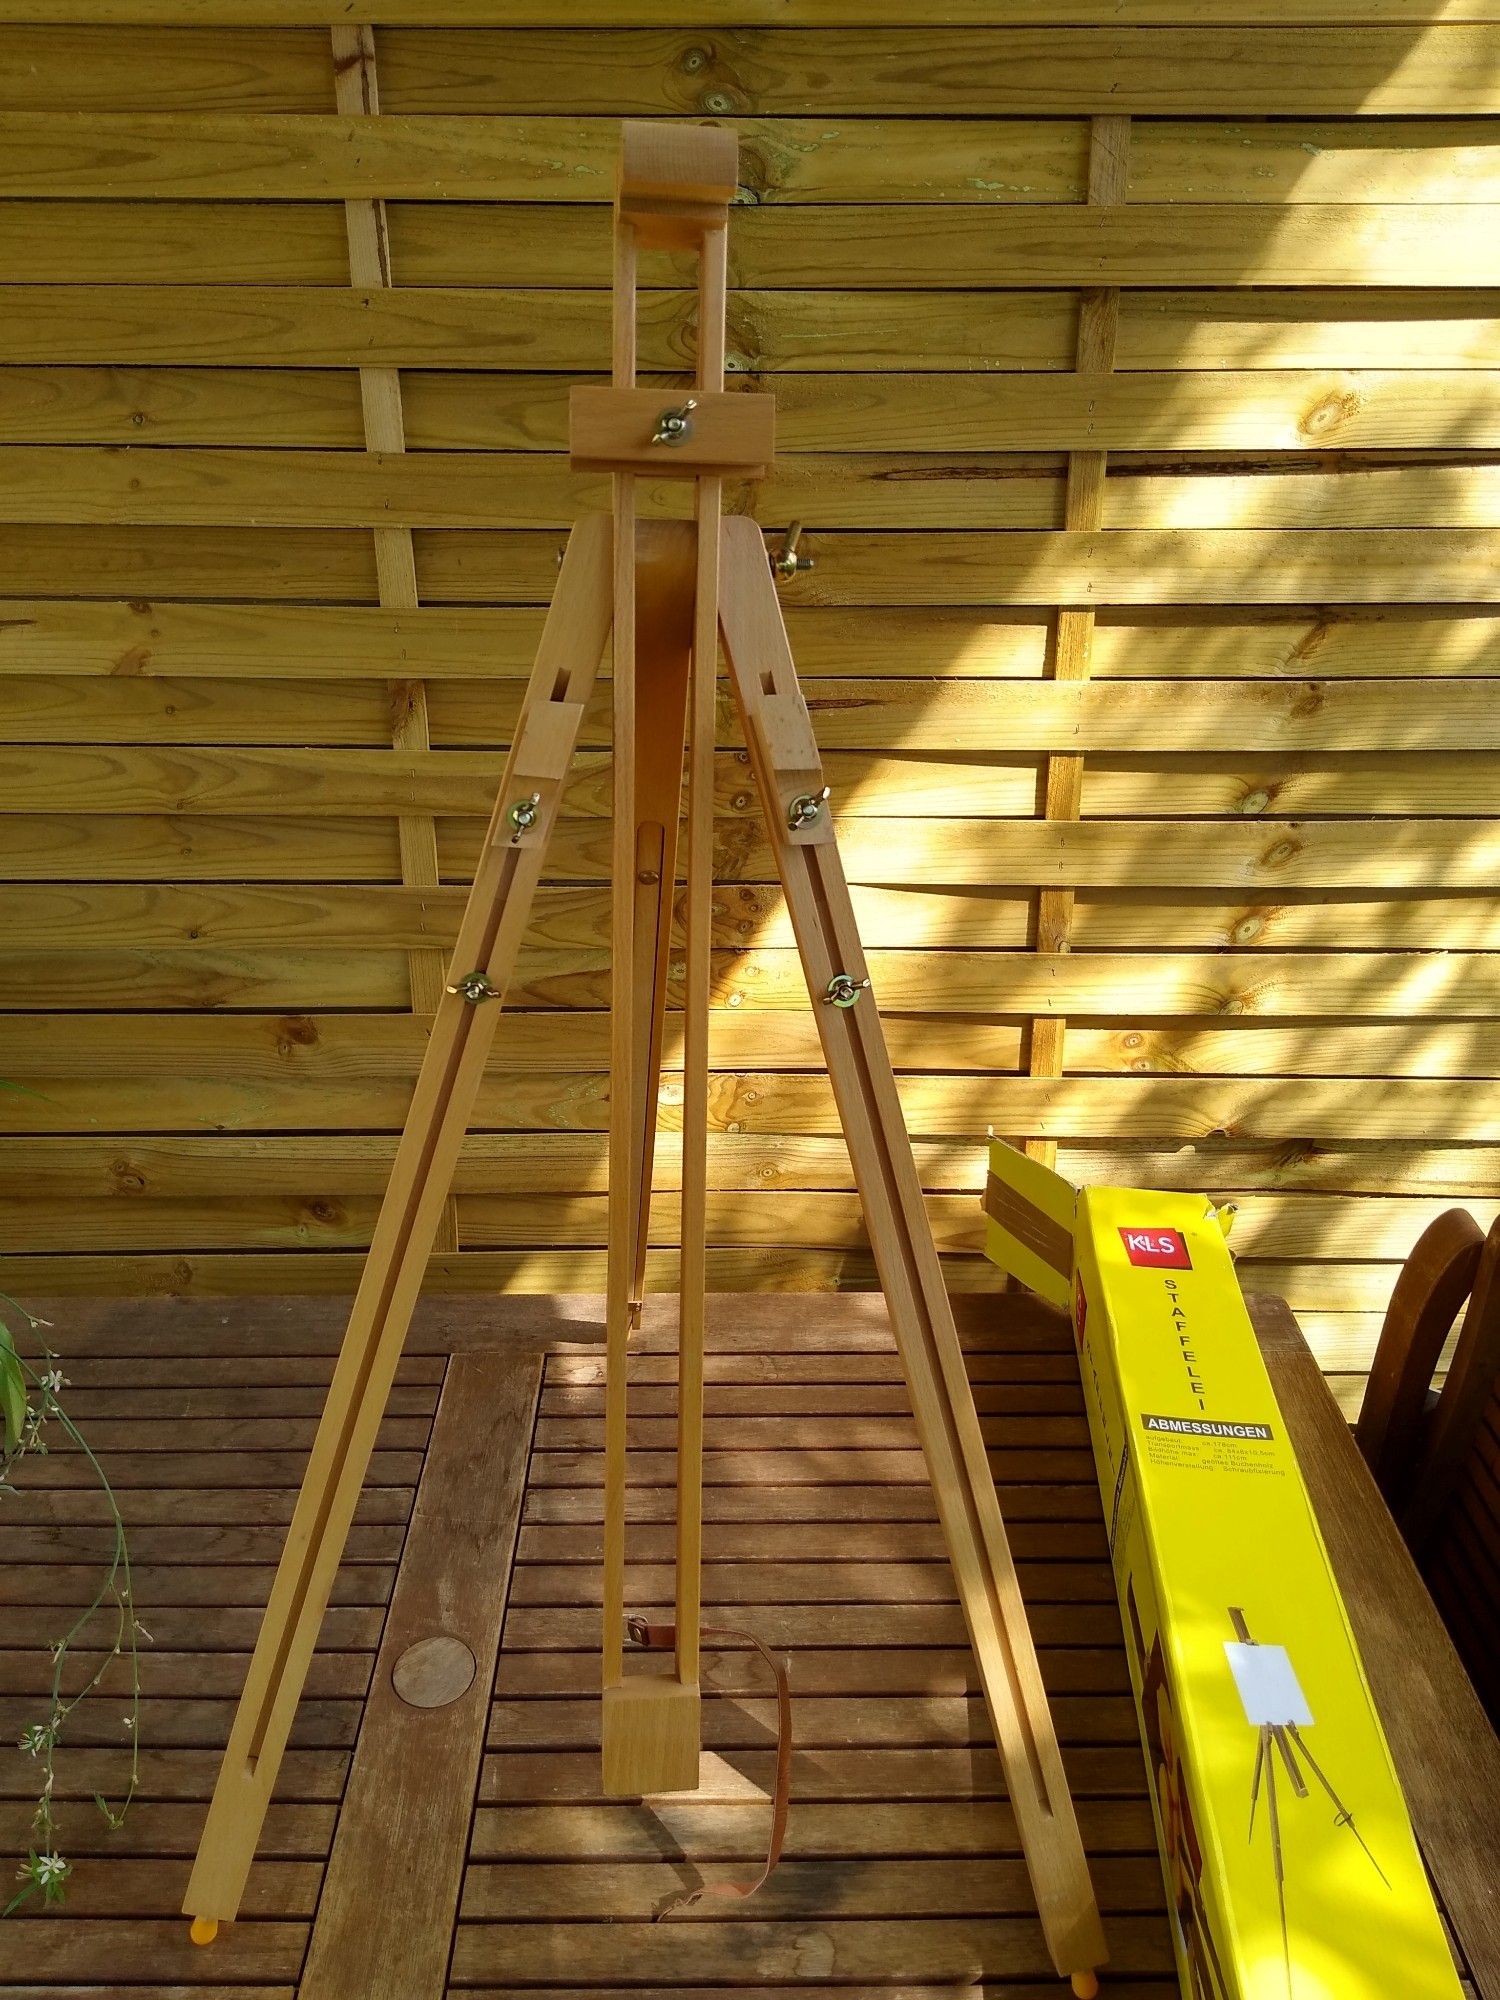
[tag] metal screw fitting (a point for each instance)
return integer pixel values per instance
(523, 814)
(802, 812)
(474, 987)
(787, 563)
(844, 989)
(675, 426)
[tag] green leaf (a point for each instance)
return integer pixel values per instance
(12, 1390)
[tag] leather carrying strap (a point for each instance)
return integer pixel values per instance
(663, 1638)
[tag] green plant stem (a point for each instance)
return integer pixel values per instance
(116, 1585)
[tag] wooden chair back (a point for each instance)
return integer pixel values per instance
(1436, 1453)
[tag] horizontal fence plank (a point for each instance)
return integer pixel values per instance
(1290, 1227)
(500, 329)
(1313, 985)
(464, 489)
(256, 157)
(857, 247)
(337, 1053)
(129, 638)
(1321, 1287)
(736, 13)
(55, 1167)
(1167, 566)
(135, 836)
(949, 719)
(497, 1163)
(859, 490)
(1133, 566)
(1304, 488)
(1363, 67)
(113, 846)
(55, 65)
(985, 72)
(1333, 854)
(571, 1101)
(841, 248)
(1293, 422)
(242, 837)
(332, 920)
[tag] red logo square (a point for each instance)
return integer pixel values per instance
(1161, 1249)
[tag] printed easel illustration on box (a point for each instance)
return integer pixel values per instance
(664, 595)
(1277, 1710)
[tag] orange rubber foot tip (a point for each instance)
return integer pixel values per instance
(204, 1930)
(1086, 1985)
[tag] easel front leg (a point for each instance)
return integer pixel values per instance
(462, 1031)
(788, 771)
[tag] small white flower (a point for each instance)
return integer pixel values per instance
(48, 1869)
(36, 1739)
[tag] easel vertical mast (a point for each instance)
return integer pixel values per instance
(675, 187)
(670, 591)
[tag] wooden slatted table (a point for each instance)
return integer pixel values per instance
(902, 1870)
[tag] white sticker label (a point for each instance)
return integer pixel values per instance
(1268, 1686)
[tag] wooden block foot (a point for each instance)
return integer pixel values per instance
(650, 1736)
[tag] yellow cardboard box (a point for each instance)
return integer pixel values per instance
(1291, 1869)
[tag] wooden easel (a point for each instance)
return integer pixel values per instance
(667, 593)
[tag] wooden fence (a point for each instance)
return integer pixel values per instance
(1137, 384)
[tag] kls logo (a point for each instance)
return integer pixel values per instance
(1163, 1249)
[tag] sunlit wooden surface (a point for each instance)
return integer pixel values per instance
(902, 1870)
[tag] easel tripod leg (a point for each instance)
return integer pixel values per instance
(463, 1028)
(788, 770)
